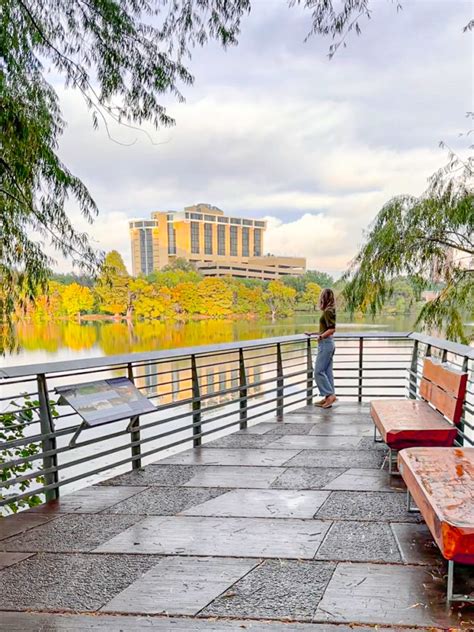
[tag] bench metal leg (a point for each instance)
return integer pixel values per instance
(375, 436)
(450, 596)
(410, 507)
(391, 463)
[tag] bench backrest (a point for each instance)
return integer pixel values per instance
(444, 388)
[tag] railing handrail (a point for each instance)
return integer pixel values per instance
(445, 345)
(47, 368)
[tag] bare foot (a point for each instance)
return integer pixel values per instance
(329, 401)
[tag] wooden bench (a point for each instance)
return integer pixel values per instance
(441, 482)
(431, 421)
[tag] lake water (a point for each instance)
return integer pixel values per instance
(66, 340)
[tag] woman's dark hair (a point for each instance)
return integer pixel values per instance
(327, 300)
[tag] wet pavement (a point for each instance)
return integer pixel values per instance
(287, 527)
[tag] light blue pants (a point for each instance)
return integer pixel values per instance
(323, 367)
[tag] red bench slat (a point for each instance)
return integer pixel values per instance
(441, 482)
(444, 388)
(405, 423)
(409, 423)
(447, 378)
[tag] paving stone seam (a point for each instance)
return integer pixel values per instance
(5, 537)
(285, 464)
(327, 585)
(95, 615)
(233, 584)
(323, 540)
(281, 447)
(142, 491)
(233, 557)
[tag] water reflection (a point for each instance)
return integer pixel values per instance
(171, 382)
(111, 338)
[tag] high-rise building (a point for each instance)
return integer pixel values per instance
(217, 244)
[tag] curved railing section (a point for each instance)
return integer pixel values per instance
(199, 393)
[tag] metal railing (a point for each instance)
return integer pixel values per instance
(200, 393)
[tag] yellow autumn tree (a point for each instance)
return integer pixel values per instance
(77, 299)
(311, 295)
(215, 296)
(113, 287)
(187, 299)
(280, 299)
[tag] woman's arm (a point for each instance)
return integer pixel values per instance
(327, 333)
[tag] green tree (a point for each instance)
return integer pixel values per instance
(279, 299)
(13, 423)
(113, 287)
(430, 238)
(403, 297)
(124, 57)
(247, 299)
(311, 295)
(77, 299)
(300, 282)
(71, 277)
(180, 264)
(173, 277)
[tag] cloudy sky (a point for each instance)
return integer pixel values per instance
(274, 129)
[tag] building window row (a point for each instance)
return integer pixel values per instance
(233, 241)
(143, 224)
(245, 242)
(195, 246)
(146, 251)
(208, 239)
(257, 243)
(222, 220)
(221, 240)
(171, 239)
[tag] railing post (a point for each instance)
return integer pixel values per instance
(462, 425)
(361, 364)
(413, 377)
(134, 429)
(243, 391)
(48, 444)
(197, 428)
(309, 368)
(280, 385)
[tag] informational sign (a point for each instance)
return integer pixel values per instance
(105, 400)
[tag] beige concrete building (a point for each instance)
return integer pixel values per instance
(217, 244)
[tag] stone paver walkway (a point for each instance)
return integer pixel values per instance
(287, 527)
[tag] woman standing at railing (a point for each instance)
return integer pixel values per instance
(323, 367)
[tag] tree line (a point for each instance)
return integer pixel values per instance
(177, 292)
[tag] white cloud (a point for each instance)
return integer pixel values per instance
(318, 237)
(273, 128)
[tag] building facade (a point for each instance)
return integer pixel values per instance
(217, 244)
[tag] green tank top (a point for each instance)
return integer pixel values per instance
(327, 320)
